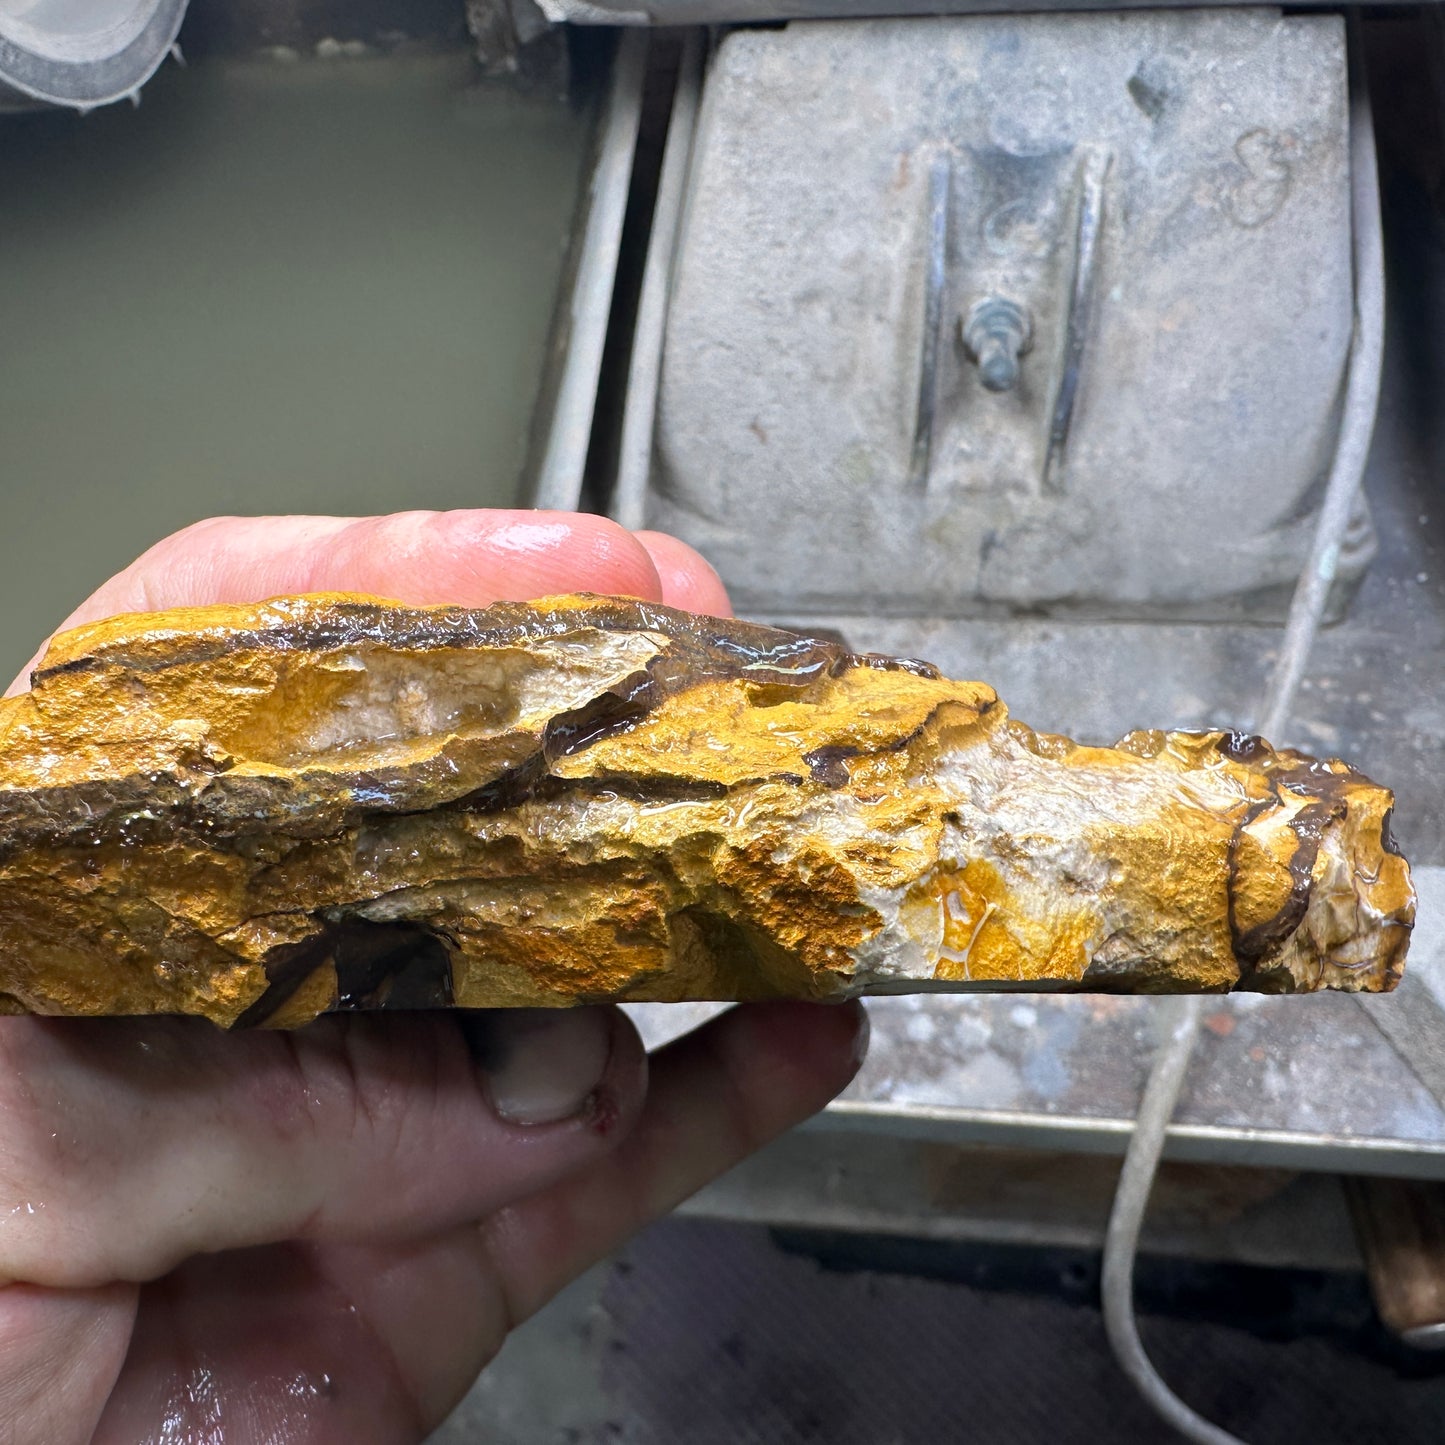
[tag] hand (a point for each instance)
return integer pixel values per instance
(322, 1236)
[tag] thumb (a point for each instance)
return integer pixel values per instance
(133, 1144)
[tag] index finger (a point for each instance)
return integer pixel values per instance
(471, 558)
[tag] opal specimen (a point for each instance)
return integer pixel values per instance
(259, 813)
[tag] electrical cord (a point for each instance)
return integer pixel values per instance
(1131, 1197)
(1182, 1015)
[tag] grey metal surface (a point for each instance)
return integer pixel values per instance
(1342, 500)
(1414, 1022)
(83, 53)
(883, 1184)
(1164, 194)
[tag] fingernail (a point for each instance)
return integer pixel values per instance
(864, 1031)
(541, 1065)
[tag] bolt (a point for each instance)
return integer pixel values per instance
(997, 332)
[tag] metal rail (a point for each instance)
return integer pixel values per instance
(634, 458)
(558, 483)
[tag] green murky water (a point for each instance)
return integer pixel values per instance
(320, 287)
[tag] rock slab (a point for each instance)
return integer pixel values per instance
(261, 813)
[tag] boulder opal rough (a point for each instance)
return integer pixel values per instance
(264, 812)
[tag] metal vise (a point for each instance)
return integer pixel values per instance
(1009, 313)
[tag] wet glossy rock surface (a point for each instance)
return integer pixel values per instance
(261, 813)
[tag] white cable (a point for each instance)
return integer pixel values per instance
(1166, 1076)
(1121, 1242)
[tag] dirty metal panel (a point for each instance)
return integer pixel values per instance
(877, 1183)
(1314, 1067)
(1042, 313)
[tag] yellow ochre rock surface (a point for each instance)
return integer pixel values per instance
(259, 813)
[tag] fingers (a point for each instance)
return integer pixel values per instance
(715, 1096)
(130, 1145)
(395, 1336)
(472, 558)
(688, 580)
(468, 557)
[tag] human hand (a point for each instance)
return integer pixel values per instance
(322, 1235)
